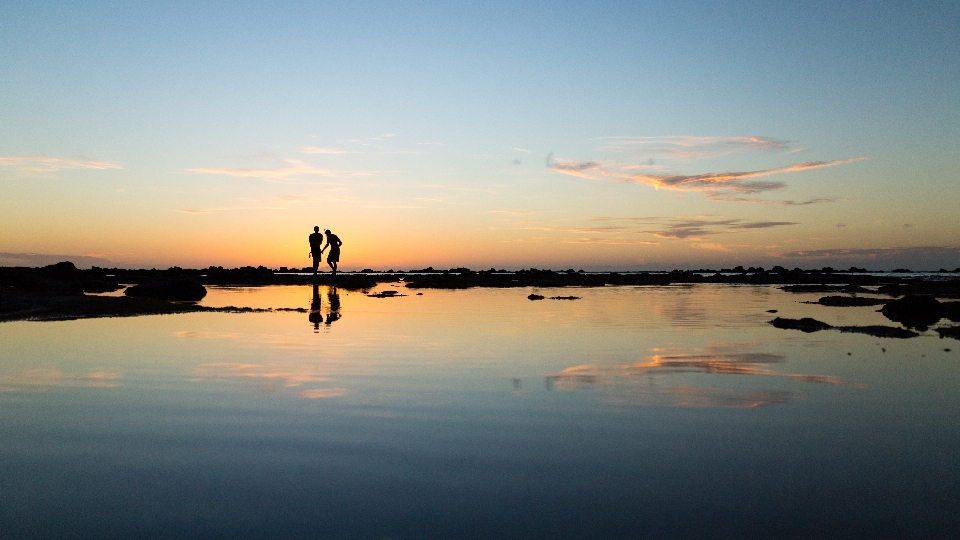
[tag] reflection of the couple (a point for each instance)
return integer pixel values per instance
(333, 301)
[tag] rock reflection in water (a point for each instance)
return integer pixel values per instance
(659, 379)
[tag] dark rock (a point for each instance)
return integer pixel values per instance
(805, 324)
(822, 288)
(185, 289)
(812, 325)
(64, 271)
(950, 310)
(535, 297)
(99, 286)
(564, 297)
(59, 279)
(879, 331)
(385, 294)
(850, 301)
(940, 289)
(914, 311)
(949, 331)
(771, 311)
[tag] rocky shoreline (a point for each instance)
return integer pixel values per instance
(62, 291)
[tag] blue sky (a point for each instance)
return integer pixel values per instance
(446, 133)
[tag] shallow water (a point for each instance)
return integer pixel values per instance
(672, 412)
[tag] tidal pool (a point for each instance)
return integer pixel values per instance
(632, 412)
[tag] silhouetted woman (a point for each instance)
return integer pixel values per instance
(334, 243)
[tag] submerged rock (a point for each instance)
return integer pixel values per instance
(824, 288)
(914, 311)
(805, 324)
(949, 331)
(184, 289)
(879, 331)
(385, 294)
(850, 301)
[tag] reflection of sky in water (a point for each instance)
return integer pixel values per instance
(477, 413)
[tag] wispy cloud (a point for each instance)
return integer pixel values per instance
(611, 241)
(918, 252)
(615, 229)
(725, 186)
(53, 164)
(699, 226)
(211, 210)
(712, 246)
(514, 212)
(524, 150)
(452, 187)
(318, 150)
(816, 200)
(578, 230)
(688, 146)
(719, 185)
(295, 169)
(323, 393)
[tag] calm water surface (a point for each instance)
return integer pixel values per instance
(671, 412)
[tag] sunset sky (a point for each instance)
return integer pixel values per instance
(595, 135)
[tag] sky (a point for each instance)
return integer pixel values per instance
(587, 135)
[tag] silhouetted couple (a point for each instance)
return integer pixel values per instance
(333, 242)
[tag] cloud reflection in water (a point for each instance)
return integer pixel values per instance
(661, 380)
(42, 380)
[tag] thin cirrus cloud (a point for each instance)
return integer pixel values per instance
(318, 150)
(726, 186)
(698, 228)
(611, 241)
(689, 146)
(53, 164)
(226, 209)
(873, 253)
(295, 169)
(693, 228)
(613, 229)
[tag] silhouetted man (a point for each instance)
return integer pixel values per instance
(334, 243)
(316, 240)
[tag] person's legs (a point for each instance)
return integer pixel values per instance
(332, 260)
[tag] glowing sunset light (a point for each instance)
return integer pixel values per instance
(469, 137)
